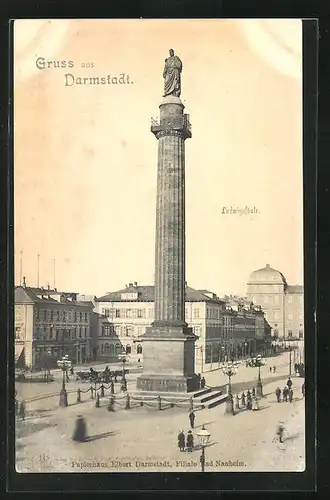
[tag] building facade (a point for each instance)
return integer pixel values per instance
(283, 304)
(224, 330)
(50, 324)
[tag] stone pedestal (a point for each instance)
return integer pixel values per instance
(168, 360)
(169, 345)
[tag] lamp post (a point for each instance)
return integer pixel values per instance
(65, 365)
(229, 369)
(122, 358)
(204, 437)
(290, 358)
(47, 370)
(258, 362)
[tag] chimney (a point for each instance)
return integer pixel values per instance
(135, 283)
(24, 282)
(130, 284)
(267, 265)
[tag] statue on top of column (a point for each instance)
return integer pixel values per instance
(172, 75)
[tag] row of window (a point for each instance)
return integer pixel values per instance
(274, 299)
(277, 315)
(109, 330)
(127, 313)
(64, 315)
(60, 335)
(115, 349)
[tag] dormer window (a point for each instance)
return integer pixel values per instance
(129, 296)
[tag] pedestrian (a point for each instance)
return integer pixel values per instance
(290, 395)
(270, 369)
(243, 399)
(190, 441)
(278, 394)
(274, 369)
(80, 431)
(285, 394)
(139, 361)
(289, 383)
(71, 370)
(22, 411)
(303, 389)
(192, 419)
(280, 431)
(181, 440)
(202, 382)
(112, 387)
(198, 380)
(249, 400)
(253, 392)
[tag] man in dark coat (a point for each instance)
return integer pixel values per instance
(289, 383)
(202, 382)
(22, 410)
(290, 395)
(274, 369)
(190, 441)
(278, 394)
(285, 394)
(181, 440)
(80, 431)
(303, 389)
(249, 400)
(192, 419)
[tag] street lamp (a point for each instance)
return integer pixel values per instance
(229, 369)
(258, 362)
(122, 358)
(290, 358)
(204, 437)
(65, 365)
(47, 370)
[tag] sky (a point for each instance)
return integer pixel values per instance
(85, 161)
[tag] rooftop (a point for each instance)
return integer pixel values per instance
(32, 295)
(146, 293)
(267, 274)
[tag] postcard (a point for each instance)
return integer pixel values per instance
(159, 287)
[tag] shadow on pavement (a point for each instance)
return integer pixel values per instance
(101, 436)
(205, 423)
(293, 436)
(198, 447)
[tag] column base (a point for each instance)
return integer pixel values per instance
(167, 383)
(168, 359)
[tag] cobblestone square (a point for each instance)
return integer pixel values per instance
(145, 439)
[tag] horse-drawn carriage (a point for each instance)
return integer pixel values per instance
(99, 377)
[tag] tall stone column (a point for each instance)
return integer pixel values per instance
(169, 345)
